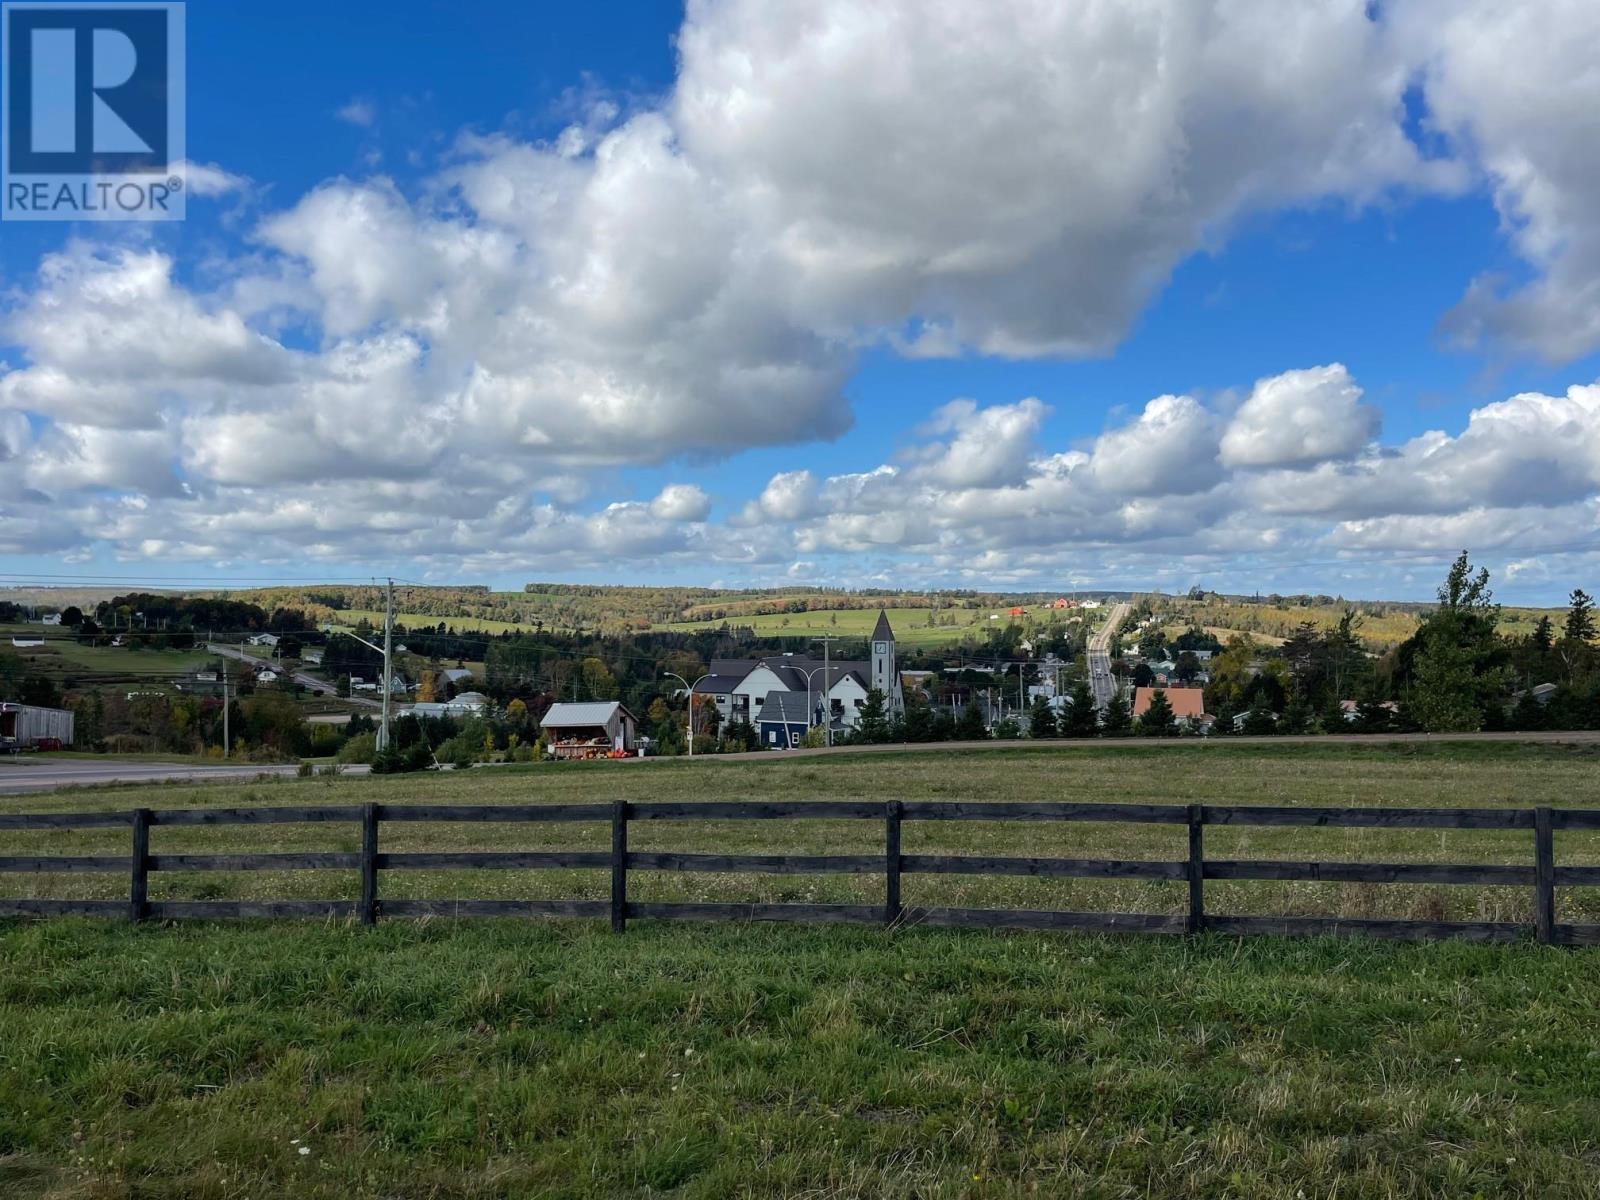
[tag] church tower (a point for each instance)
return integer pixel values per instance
(885, 676)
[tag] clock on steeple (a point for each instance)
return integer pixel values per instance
(884, 676)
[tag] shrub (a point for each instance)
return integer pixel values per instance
(459, 752)
(359, 749)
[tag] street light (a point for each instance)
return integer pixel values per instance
(690, 687)
(827, 716)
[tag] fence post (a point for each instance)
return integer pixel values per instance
(369, 864)
(139, 887)
(619, 866)
(1544, 877)
(1197, 870)
(891, 865)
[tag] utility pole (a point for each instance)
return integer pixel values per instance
(827, 686)
(227, 738)
(388, 667)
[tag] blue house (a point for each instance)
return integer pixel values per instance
(784, 720)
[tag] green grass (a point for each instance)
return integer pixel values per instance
(1442, 775)
(553, 1059)
(349, 618)
(477, 1060)
(910, 624)
(62, 658)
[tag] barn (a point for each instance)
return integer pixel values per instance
(596, 729)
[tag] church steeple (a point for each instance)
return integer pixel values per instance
(881, 631)
(885, 676)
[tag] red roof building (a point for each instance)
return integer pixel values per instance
(1188, 703)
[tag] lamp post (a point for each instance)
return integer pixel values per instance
(827, 641)
(691, 687)
(827, 718)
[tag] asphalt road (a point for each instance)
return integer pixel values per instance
(310, 682)
(41, 772)
(1101, 681)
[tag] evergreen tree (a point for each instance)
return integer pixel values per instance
(1580, 625)
(919, 719)
(1529, 713)
(1453, 667)
(1081, 719)
(1041, 719)
(1373, 716)
(873, 725)
(1578, 653)
(1116, 721)
(1544, 635)
(1332, 718)
(1258, 721)
(1296, 718)
(1158, 720)
(970, 727)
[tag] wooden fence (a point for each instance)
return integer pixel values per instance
(1542, 877)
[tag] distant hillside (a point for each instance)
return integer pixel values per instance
(791, 612)
(612, 609)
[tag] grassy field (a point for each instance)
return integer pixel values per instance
(911, 626)
(349, 618)
(1382, 627)
(478, 1059)
(61, 658)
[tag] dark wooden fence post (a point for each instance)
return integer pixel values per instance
(369, 864)
(139, 888)
(891, 865)
(1197, 870)
(1544, 877)
(619, 866)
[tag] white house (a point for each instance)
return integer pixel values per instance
(50, 619)
(267, 675)
(467, 704)
(740, 687)
(262, 639)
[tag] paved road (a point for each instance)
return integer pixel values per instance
(1101, 680)
(310, 682)
(40, 772)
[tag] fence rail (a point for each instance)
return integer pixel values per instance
(1542, 877)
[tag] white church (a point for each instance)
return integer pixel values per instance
(783, 695)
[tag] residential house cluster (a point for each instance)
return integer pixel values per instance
(784, 695)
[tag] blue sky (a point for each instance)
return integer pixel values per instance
(545, 292)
